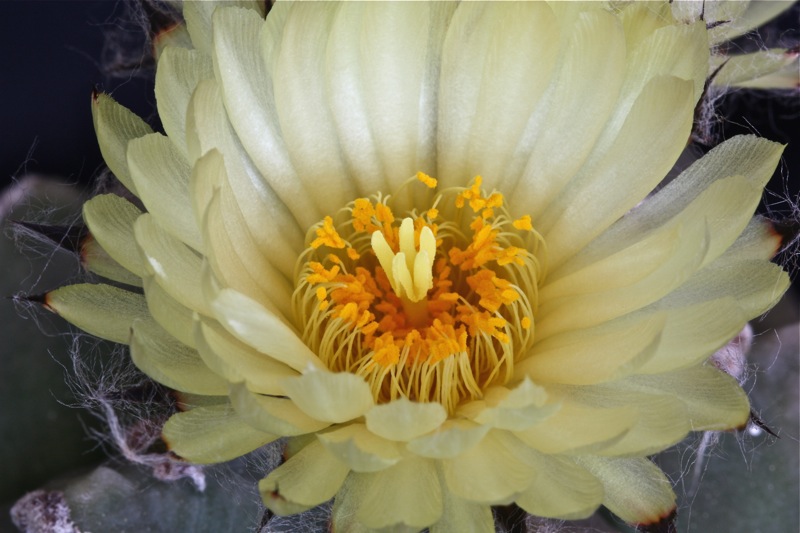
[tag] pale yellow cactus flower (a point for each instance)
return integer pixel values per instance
(420, 241)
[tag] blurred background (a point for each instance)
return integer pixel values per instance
(55, 52)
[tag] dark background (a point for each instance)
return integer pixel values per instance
(56, 51)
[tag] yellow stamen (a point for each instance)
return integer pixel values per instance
(523, 223)
(423, 310)
(427, 180)
(327, 235)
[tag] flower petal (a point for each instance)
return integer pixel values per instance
(297, 66)
(515, 409)
(94, 258)
(463, 516)
(328, 396)
(110, 219)
(400, 83)
(279, 416)
(174, 317)
(744, 155)
(407, 493)
(163, 358)
(102, 310)
(212, 434)
(577, 427)
(580, 109)
(692, 333)
(172, 264)
(251, 323)
(238, 362)
(403, 420)
(237, 260)
(450, 440)
(492, 471)
(663, 419)
(491, 82)
(360, 449)
(593, 308)
(115, 126)
(597, 354)
(310, 477)
(714, 400)
(561, 489)
(178, 73)
(648, 144)
(246, 85)
(161, 175)
(635, 489)
(756, 285)
(199, 16)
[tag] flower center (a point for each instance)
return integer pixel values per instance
(437, 306)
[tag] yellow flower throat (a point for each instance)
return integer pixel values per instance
(433, 307)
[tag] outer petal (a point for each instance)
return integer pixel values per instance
(577, 427)
(115, 126)
(237, 362)
(755, 284)
(248, 321)
(161, 175)
(171, 315)
(745, 155)
(403, 420)
(102, 310)
(272, 414)
(647, 146)
(360, 449)
(95, 259)
(450, 440)
(635, 489)
(172, 264)
(407, 493)
(714, 400)
(663, 418)
(212, 434)
(198, 16)
(111, 218)
(309, 478)
(163, 358)
(590, 309)
(491, 472)
(179, 71)
(561, 489)
(463, 515)
(595, 355)
(328, 396)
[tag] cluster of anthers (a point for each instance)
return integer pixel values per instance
(434, 307)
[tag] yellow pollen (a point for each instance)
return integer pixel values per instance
(427, 180)
(321, 293)
(422, 310)
(523, 223)
(327, 235)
